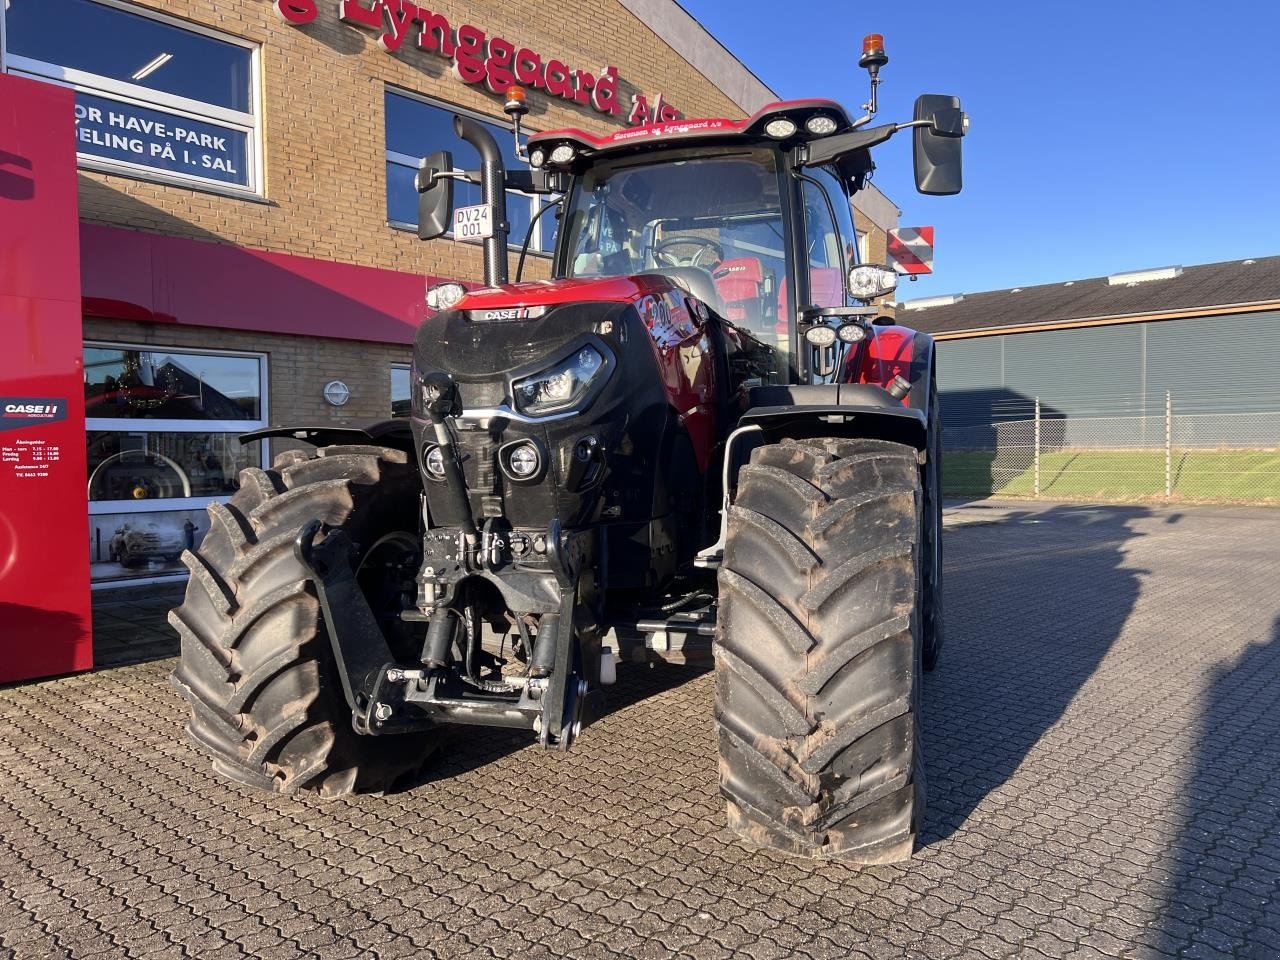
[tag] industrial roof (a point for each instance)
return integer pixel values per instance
(1137, 293)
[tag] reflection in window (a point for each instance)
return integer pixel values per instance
(824, 249)
(163, 385)
(416, 128)
(163, 426)
(164, 466)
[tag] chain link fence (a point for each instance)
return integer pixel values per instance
(1169, 454)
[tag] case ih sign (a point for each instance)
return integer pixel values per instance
(478, 57)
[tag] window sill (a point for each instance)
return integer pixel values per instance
(233, 193)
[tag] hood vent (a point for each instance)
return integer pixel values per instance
(1143, 276)
(923, 303)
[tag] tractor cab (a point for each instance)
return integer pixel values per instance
(753, 218)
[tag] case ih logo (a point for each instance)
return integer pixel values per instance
(477, 57)
(508, 313)
(26, 411)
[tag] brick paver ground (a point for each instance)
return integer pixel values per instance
(1103, 742)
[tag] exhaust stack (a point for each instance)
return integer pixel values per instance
(492, 178)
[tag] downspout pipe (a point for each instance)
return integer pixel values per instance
(492, 185)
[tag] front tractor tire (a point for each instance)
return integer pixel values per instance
(256, 665)
(818, 650)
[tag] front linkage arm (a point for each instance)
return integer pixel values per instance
(388, 697)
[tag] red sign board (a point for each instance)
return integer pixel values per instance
(44, 567)
(911, 250)
(480, 58)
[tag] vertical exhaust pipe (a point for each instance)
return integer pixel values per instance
(492, 185)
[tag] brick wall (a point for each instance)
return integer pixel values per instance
(322, 109)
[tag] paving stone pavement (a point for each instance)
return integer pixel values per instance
(1102, 740)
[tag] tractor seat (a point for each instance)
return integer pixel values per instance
(738, 282)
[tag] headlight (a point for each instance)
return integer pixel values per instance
(821, 335)
(869, 281)
(562, 153)
(820, 125)
(852, 332)
(780, 129)
(445, 295)
(562, 386)
(433, 460)
(521, 460)
(537, 158)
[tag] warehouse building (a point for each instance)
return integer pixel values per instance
(246, 208)
(1184, 358)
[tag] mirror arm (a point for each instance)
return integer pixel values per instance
(470, 176)
(926, 123)
(819, 152)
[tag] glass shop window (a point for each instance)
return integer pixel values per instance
(163, 441)
(417, 127)
(156, 97)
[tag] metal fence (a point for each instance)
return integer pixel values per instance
(1168, 454)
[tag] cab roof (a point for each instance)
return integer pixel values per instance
(707, 129)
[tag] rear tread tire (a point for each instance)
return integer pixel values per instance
(818, 651)
(256, 665)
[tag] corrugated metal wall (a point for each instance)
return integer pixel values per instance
(1222, 373)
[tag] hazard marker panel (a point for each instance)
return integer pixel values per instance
(911, 250)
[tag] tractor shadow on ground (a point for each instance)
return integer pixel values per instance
(1034, 603)
(469, 748)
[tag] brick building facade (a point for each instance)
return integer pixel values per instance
(247, 251)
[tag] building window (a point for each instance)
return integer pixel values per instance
(156, 98)
(417, 127)
(400, 390)
(162, 433)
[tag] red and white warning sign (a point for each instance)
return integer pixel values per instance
(911, 249)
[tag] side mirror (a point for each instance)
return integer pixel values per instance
(937, 144)
(435, 196)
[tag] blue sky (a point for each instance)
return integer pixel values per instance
(1105, 136)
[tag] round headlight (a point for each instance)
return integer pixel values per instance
(780, 128)
(852, 332)
(537, 158)
(820, 125)
(821, 335)
(869, 281)
(562, 153)
(445, 295)
(434, 462)
(523, 461)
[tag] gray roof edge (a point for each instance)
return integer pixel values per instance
(1205, 309)
(676, 27)
(877, 207)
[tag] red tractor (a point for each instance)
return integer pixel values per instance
(700, 427)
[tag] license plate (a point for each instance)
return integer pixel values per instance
(473, 223)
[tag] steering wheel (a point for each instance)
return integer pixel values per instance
(662, 252)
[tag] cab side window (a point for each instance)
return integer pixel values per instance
(824, 249)
(842, 204)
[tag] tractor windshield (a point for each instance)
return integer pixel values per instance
(712, 222)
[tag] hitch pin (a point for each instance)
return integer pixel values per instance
(397, 675)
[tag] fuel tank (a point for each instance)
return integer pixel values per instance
(587, 401)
